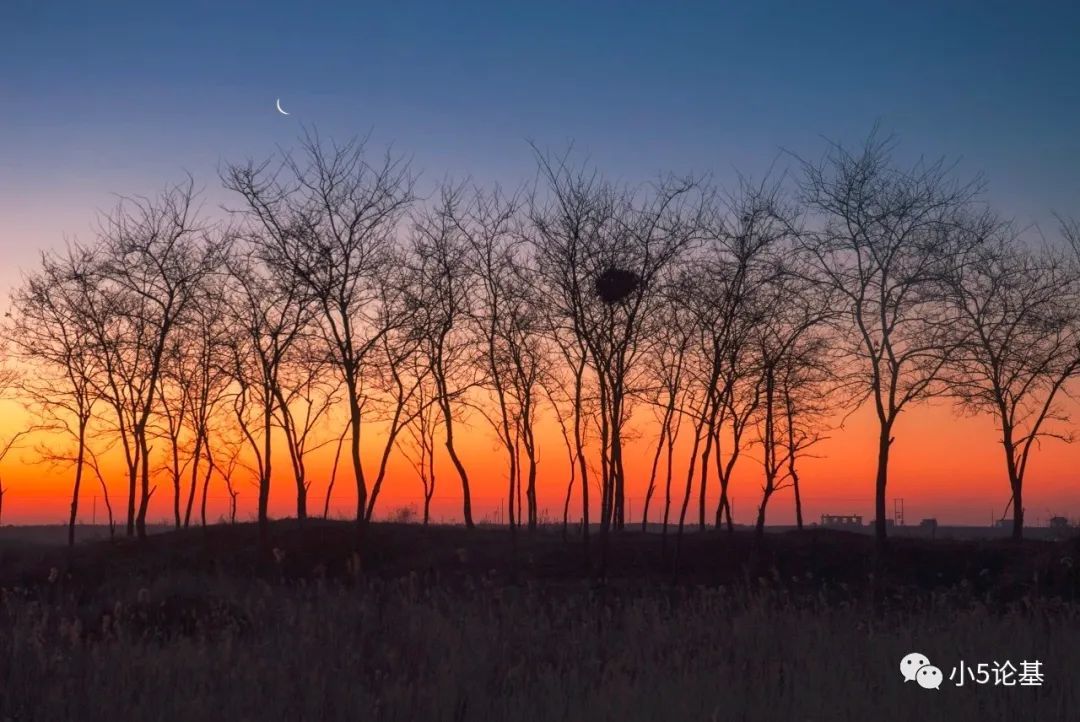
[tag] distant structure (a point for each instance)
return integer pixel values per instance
(898, 511)
(930, 526)
(841, 521)
(1059, 522)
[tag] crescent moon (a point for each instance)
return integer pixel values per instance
(279, 108)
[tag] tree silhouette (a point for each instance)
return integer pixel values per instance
(327, 226)
(1013, 320)
(48, 330)
(338, 305)
(883, 236)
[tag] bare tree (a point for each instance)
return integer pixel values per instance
(329, 223)
(444, 284)
(224, 461)
(559, 395)
(175, 411)
(564, 230)
(567, 390)
(668, 360)
(717, 293)
(529, 365)
(48, 330)
(118, 386)
(604, 252)
(785, 344)
(334, 469)
(488, 230)
(809, 394)
(418, 445)
(153, 254)
(91, 461)
(509, 328)
(306, 393)
(399, 367)
(207, 380)
(196, 376)
(1014, 322)
(271, 316)
(880, 238)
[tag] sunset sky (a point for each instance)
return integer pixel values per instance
(126, 98)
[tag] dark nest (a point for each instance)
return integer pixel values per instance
(614, 285)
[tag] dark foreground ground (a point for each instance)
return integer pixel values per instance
(445, 624)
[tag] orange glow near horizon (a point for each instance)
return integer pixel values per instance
(943, 465)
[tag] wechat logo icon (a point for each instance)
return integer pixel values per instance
(916, 667)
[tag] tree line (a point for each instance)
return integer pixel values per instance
(330, 299)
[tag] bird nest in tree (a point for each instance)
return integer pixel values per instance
(614, 285)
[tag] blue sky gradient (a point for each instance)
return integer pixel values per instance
(97, 98)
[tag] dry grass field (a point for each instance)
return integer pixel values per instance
(441, 624)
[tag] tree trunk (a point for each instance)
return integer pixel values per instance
(264, 482)
(648, 499)
(512, 486)
(668, 476)
(619, 492)
(333, 471)
(790, 412)
(689, 487)
(530, 489)
(108, 507)
(300, 477)
(388, 447)
(196, 458)
(144, 499)
(466, 503)
(1018, 511)
(703, 487)
(724, 472)
(530, 453)
(759, 527)
(133, 481)
(354, 453)
(620, 478)
(566, 503)
(429, 490)
(439, 372)
(206, 482)
(712, 437)
(517, 479)
(798, 499)
(301, 499)
(583, 467)
(176, 482)
(78, 483)
(769, 444)
(884, 443)
(605, 463)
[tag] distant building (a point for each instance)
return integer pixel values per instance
(1059, 522)
(842, 521)
(930, 524)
